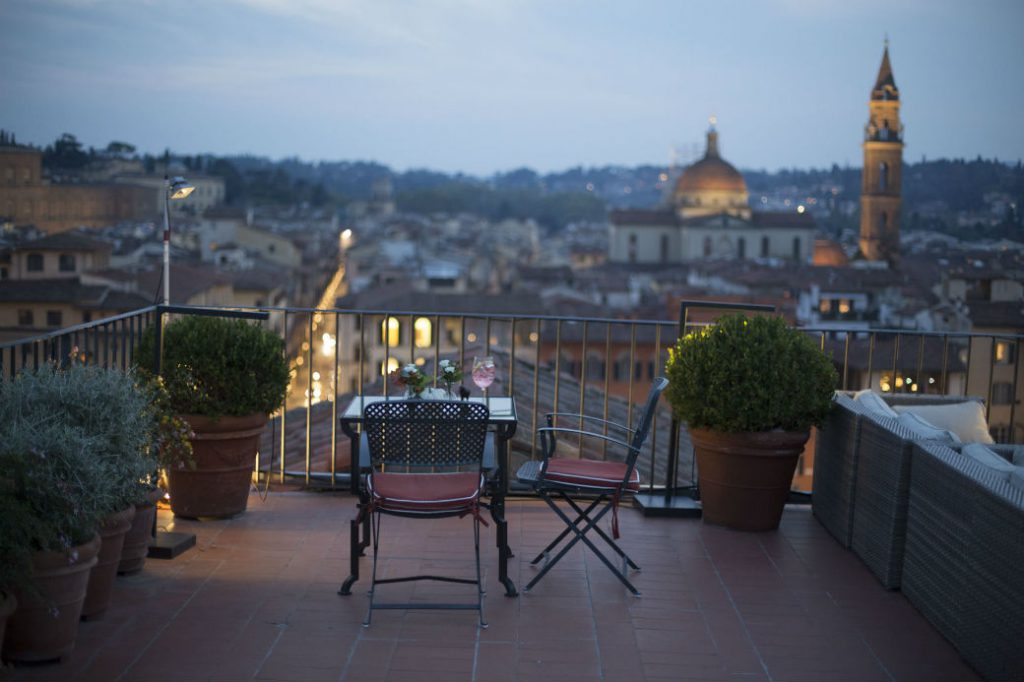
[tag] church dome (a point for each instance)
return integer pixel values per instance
(711, 173)
(711, 185)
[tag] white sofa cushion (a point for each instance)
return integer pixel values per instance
(966, 419)
(926, 430)
(874, 404)
(982, 455)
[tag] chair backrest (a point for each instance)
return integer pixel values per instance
(643, 427)
(425, 434)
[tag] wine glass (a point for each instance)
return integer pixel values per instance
(483, 372)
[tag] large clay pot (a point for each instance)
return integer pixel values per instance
(225, 455)
(745, 477)
(44, 626)
(139, 536)
(8, 602)
(102, 576)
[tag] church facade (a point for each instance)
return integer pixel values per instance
(709, 216)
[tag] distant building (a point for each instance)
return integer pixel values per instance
(882, 175)
(26, 199)
(209, 191)
(709, 217)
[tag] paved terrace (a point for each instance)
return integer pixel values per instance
(256, 600)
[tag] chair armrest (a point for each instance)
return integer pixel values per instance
(588, 418)
(544, 431)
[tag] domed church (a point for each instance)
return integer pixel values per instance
(709, 216)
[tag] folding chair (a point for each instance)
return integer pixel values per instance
(426, 458)
(609, 481)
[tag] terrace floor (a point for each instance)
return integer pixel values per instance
(256, 600)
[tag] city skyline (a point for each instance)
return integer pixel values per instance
(480, 87)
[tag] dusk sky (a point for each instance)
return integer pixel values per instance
(490, 85)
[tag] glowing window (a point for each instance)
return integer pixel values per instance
(390, 331)
(391, 366)
(423, 330)
(844, 307)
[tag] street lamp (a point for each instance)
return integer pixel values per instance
(177, 188)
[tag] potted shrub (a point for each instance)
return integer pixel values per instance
(115, 412)
(56, 491)
(173, 448)
(223, 377)
(749, 390)
(16, 529)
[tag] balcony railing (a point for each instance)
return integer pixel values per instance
(593, 366)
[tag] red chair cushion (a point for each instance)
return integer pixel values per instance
(590, 473)
(425, 493)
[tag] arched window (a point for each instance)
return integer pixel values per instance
(741, 248)
(883, 221)
(707, 246)
(764, 247)
(423, 328)
(883, 176)
(390, 332)
(390, 367)
(796, 248)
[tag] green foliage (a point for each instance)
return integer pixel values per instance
(553, 210)
(749, 374)
(52, 474)
(110, 407)
(217, 367)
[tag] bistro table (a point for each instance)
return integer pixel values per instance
(504, 421)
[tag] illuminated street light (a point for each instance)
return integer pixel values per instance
(177, 188)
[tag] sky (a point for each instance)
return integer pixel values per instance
(485, 86)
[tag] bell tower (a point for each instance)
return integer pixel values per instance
(882, 175)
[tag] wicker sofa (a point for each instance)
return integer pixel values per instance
(862, 478)
(963, 564)
(835, 468)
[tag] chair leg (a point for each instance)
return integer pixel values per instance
(375, 522)
(561, 536)
(600, 531)
(479, 577)
(579, 536)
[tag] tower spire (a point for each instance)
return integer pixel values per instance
(885, 84)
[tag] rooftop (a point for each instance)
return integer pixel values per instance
(256, 600)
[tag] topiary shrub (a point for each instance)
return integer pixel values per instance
(215, 367)
(749, 374)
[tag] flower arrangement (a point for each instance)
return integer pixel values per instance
(451, 373)
(412, 378)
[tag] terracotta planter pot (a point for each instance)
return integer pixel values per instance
(102, 575)
(8, 602)
(34, 633)
(225, 454)
(136, 541)
(745, 477)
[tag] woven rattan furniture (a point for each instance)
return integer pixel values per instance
(426, 460)
(608, 481)
(835, 468)
(963, 563)
(881, 489)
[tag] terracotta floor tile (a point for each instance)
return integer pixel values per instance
(257, 600)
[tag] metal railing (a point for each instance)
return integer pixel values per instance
(594, 366)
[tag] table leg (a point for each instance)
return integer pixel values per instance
(356, 545)
(498, 512)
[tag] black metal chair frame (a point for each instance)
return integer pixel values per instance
(535, 473)
(425, 437)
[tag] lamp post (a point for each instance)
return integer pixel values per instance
(177, 188)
